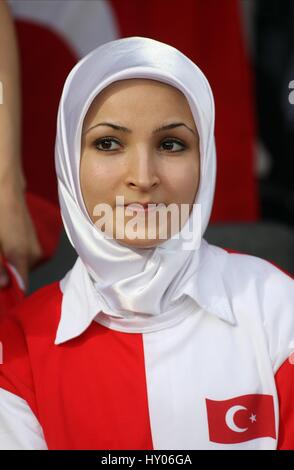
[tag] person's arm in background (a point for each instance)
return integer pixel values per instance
(18, 241)
(20, 428)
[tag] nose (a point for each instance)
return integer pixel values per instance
(142, 171)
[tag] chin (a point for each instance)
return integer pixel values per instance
(140, 243)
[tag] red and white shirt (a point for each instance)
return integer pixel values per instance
(220, 376)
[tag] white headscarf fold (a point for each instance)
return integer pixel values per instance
(127, 280)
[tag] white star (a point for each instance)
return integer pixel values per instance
(252, 418)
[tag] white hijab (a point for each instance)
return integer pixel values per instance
(126, 280)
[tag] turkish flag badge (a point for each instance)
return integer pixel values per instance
(241, 418)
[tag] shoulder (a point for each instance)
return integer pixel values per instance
(25, 332)
(273, 285)
(266, 293)
(240, 269)
(246, 265)
(43, 303)
(36, 315)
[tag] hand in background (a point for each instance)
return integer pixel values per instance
(19, 244)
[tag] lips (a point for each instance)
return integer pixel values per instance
(138, 206)
(143, 207)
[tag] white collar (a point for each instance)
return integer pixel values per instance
(79, 302)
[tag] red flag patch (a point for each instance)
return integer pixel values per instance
(241, 418)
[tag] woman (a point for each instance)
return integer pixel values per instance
(155, 339)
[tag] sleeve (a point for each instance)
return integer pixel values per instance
(284, 379)
(19, 424)
(19, 428)
(278, 314)
(278, 308)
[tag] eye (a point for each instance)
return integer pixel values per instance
(105, 143)
(169, 143)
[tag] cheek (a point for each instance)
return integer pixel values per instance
(185, 181)
(96, 179)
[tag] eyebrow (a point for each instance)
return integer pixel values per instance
(125, 129)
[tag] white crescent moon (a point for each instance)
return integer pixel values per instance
(230, 418)
(96, 22)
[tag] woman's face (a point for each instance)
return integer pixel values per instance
(139, 141)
